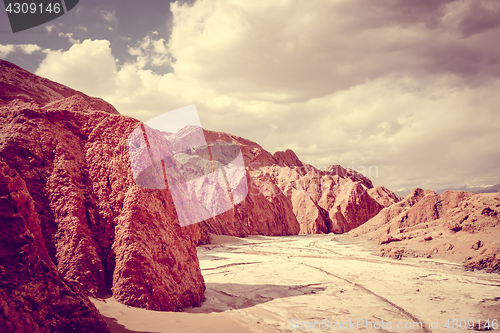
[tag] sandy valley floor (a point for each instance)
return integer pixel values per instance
(284, 284)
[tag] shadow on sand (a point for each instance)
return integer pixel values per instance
(114, 327)
(222, 297)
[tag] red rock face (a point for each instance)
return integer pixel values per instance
(488, 259)
(98, 228)
(260, 213)
(454, 222)
(332, 200)
(455, 210)
(21, 89)
(34, 296)
(383, 196)
(287, 158)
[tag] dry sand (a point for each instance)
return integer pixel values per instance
(260, 284)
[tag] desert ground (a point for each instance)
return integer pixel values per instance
(321, 283)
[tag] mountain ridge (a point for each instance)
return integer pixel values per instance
(103, 235)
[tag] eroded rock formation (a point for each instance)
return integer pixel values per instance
(34, 296)
(456, 224)
(331, 200)
(22, 89)
(102, 233)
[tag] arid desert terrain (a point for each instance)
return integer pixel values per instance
(280, 284)
(85, 247)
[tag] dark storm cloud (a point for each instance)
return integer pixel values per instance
(344, 44)
(482, 16)
(449, 43)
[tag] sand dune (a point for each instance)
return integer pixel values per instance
(280, 284)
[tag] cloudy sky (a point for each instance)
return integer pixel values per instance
(410, 87)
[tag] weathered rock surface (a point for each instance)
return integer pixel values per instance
(488, 259)
(260, 212)
(34, 296)
(102, 232)
(22, 89)
(288, 197)
(455, 224)
(331, 200)
(383, 196)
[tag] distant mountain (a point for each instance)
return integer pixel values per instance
(474, 189)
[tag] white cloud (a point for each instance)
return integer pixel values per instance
(408, 88)
(5, 50)
(429, 137)
(70, 37)
(88, 67)
(29, 48)
(82, 28)
(108, 15)
(151, 51)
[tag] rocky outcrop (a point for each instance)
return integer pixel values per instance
(102, 232)
(455, 224)
(34, 296)
(22, 89)
(488, 259)
(322, 201)
(331, 200)
(383, 196)
(287, 158)
(421, 210)
(99, 228)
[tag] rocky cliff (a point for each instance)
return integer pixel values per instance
(22, 89)
(455, 224)
(101, 234)
(99, 228)
(310, 201)
(35, 297)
